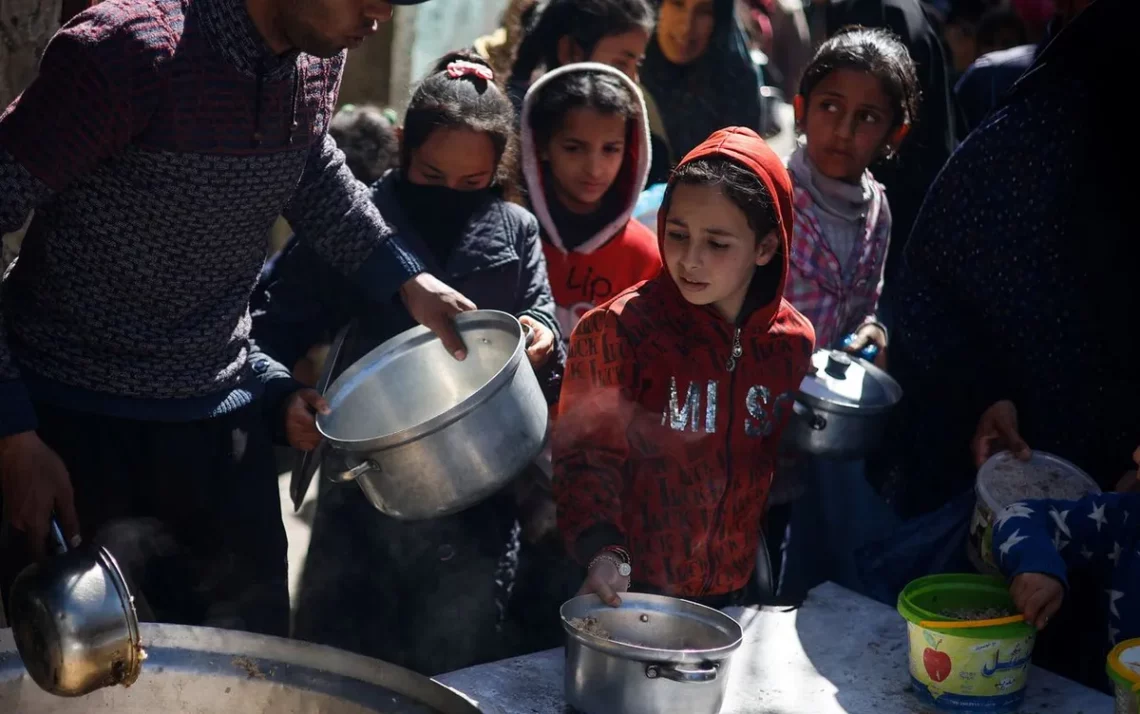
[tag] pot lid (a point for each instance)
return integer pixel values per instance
(1003, 479)
(1124, 664)
(848, 382)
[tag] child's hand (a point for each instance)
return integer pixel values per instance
(1037, 596)
(997, 430)
(870, 333)
(541, 345)
(300, 418)
(605, 581)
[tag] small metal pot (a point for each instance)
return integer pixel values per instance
(841, 410)
(75, 623)
(426, 435)
(652, 655)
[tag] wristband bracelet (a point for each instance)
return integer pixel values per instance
(623, 568)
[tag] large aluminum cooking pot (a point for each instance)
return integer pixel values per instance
(427, 435)
(841, 410)
(652, 655)
(206, 671)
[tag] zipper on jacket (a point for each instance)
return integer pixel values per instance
(730, 365)
(737, 351)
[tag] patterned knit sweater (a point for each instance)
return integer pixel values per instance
(159, 143)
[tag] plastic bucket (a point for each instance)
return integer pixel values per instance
(991, 499)
(1124, 670)
(982, 669)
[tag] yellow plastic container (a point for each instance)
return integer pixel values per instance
(1124, 670)
(982, 669)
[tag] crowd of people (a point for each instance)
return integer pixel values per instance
(951, 159)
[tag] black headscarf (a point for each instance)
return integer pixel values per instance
(719, 89)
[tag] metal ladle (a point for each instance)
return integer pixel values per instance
(74, 621)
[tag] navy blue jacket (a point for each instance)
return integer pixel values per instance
(498, 264)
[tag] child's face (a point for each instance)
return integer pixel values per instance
(684, 29)
(459, 159)
(622, 52)
(847, 121)
(585, 156)
(710, 250)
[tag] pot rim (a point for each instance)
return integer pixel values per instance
(449, 416)
(130, 615)
(659, 603)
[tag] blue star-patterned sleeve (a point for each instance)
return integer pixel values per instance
(1049, 537)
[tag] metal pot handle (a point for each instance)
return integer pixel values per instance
(676, 673)
(354, 472)
(57, 537)
(309, 461)
(814, 421)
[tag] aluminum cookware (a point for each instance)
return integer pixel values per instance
(74, 621)
(841, 410)
(652, 655)
(426, 435)
(200, 670)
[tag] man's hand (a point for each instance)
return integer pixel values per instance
(1037, 596)
(301, 409)
(433, 304)
(541, 345)
(997, 430)
(35, 483)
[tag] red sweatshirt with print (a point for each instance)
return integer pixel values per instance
(664, 445)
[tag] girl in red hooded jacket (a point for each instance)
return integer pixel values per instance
(677, 391)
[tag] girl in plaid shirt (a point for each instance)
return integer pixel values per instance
(857, 100)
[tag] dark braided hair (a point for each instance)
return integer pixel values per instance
(585, 22)
(468, 102)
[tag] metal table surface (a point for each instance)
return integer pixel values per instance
(840, 653)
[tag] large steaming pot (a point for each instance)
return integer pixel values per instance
(198, 670)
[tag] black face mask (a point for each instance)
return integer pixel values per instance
(439, 214)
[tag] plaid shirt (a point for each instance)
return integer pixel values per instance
(816, 285)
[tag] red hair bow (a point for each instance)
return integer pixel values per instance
(463, 68)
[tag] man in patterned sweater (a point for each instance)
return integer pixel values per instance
(159, 143)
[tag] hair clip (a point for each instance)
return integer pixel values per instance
(463, 68)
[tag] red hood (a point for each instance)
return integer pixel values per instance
(746, 148)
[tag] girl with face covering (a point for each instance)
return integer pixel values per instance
(430, 596)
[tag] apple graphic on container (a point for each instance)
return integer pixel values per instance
(937, 663)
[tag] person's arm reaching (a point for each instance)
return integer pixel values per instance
(333, 212)
(590, 446)
(1039, 538)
